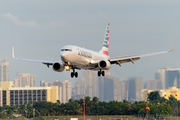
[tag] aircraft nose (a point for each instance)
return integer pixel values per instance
(63, 56)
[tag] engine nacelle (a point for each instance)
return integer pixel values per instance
(58, 67)
(104, 65)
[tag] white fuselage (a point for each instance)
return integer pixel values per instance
(81, 57)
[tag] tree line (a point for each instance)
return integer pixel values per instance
(158, 106)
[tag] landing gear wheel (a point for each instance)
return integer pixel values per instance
(72, 74)
(76, 74)
(99, 74)
(103, 73)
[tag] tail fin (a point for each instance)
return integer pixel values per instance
(105, 48)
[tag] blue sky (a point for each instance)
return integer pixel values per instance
(39, 29)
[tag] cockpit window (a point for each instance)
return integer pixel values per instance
(66, 50)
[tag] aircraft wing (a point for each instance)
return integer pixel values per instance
(30, 60)
(132, 58)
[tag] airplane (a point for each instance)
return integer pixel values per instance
(74, 57)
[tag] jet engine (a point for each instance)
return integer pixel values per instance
(104, 64)
(58, 67)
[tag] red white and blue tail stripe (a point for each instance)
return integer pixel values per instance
(105, 48)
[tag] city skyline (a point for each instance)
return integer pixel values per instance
(107, 88)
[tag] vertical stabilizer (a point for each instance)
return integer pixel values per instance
(105, 48)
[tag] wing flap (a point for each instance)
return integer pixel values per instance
(124, 60)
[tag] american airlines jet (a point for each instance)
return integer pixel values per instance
(74, 57)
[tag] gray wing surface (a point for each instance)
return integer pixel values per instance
(132, 58)
(30, 60)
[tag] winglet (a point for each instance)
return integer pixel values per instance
(173, 47)
(13, 52)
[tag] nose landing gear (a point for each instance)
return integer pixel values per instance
(101, 73)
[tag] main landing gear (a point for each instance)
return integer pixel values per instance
(101, 73)
(74, 74)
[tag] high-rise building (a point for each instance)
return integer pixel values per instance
(150, 85)
(158, 84)
(73, 93)
(42, 83)
(88, 85)
(109, 88)
(80, 87)
(4, 70)
(25, 79)
(101, 86)
(117, 84)
(154, 85)
(172, 78)
(64, 89)
(15, 96)
(166, 76)
(125, 88)
(135, 88)
(91, 80)
(161, 75)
